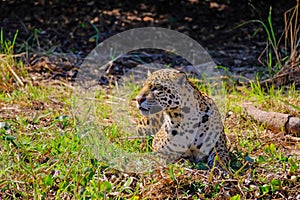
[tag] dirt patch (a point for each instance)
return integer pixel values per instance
(77, 27)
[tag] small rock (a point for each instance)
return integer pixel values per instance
(294, 178)
(237, 62)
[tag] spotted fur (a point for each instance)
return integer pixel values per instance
(185, 122)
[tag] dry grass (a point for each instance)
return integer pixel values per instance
(47, 160)
(42, 157)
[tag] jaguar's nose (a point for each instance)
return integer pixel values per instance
(140, 99)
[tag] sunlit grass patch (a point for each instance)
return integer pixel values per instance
(12, 71)
(275, 159)
(43, 157)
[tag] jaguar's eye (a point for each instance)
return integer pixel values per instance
(154, 88)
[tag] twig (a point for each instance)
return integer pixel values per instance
(292, 138)
(222, 164)
(132, 138)
(15, 75)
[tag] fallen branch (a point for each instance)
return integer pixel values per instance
(274, 121)
(293, 139)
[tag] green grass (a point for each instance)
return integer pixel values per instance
(43, 156)
(12, 71)
(272, 44)
(281, 52)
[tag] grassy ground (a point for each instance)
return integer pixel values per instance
(43, 157)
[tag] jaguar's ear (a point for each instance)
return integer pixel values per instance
(182, 77)
(148, 73)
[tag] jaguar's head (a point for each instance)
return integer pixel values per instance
(161, 91)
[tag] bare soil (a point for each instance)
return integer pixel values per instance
(71, 26)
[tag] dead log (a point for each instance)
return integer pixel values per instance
(274, 121)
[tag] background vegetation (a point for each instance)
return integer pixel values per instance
(41, 154)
